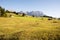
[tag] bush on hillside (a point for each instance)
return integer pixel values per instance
(47, 16)
(58, 18)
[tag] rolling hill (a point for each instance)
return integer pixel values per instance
(29, 28)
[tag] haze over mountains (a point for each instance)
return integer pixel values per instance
(34, 13)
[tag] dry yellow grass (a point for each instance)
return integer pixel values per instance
(29, 28)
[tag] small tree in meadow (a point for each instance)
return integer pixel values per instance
(2, 12)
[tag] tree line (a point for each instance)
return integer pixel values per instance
(3, 13)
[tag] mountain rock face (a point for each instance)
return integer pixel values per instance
(35, 13)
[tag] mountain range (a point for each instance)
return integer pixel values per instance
(36, 13)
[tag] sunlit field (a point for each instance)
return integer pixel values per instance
(29, 28)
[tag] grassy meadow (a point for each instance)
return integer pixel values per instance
(29, 28)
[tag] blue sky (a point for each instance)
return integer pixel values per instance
(48, 7)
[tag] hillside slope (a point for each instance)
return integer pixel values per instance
(29, 28)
